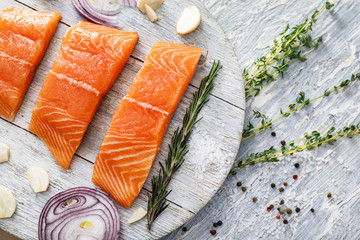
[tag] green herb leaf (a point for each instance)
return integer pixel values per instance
(285, 50)
(310, 142)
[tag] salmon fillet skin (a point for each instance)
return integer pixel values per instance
(141, 120)
(91, 58)
(24, 37)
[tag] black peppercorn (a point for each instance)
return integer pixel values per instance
(254, 199)
(289, 211)
(273, 185)
(281, 189)
(273, 134)
(271, 206)
(238, 184)
(297, 209)
(285, 221)
(283, 143)
(285, 184)
(184, 229)
(282, 202)
(312, 210)
(329, 195)
(297, 165)
(219, 223)
(243, 189)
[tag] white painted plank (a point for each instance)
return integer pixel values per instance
(251, 26)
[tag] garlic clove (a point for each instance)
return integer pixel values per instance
(38, 179)
(154, 4)
(7, 203)
(139, 214)
(151, 13)
(188, 21)
(141, 5)
(4, 153)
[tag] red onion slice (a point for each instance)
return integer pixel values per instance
(100, 11)
(110, 7)
(79, 213)
(83, 7)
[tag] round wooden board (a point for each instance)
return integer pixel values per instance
(213, 146)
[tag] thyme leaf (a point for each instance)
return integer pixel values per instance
(310, 141)
(285, 50)
(299, 103)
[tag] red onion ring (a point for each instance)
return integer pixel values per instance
(99, 15)
(83, 7)
(79, 213)
(110, 7)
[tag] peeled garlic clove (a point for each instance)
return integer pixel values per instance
(4, 153)
(151, 13)
(188, 21)
(7, 203)
(141, 5)
(137, 215)
(154, 4)
(38, 179)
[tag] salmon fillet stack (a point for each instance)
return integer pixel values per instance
(90, 59)
(24, 38)
(141, 120)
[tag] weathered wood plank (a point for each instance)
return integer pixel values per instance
(213, 146)
(251, 27)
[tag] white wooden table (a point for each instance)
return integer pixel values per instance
(212, 147)
(251, 26)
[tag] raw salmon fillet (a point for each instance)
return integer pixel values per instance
(141, 120)
(24, 38)
(90, 59)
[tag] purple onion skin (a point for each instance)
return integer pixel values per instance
(93, 16)
(58, 215)
(85, 9)
(130, 3)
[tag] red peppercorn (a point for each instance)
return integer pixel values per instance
(268, 209)
(278, 217)
(290, 106)
(213, 232)
(295, 177)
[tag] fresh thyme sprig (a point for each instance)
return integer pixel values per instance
(299, 103)
(178, 148)
(311, 141)
(285, 51)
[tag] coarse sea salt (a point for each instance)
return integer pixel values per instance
(205, 155)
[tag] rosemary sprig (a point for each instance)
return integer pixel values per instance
(285, 51)
(299, 103)
(311, 141)
(178, 148)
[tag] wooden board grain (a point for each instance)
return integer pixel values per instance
(251, 27)
(213, 146)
